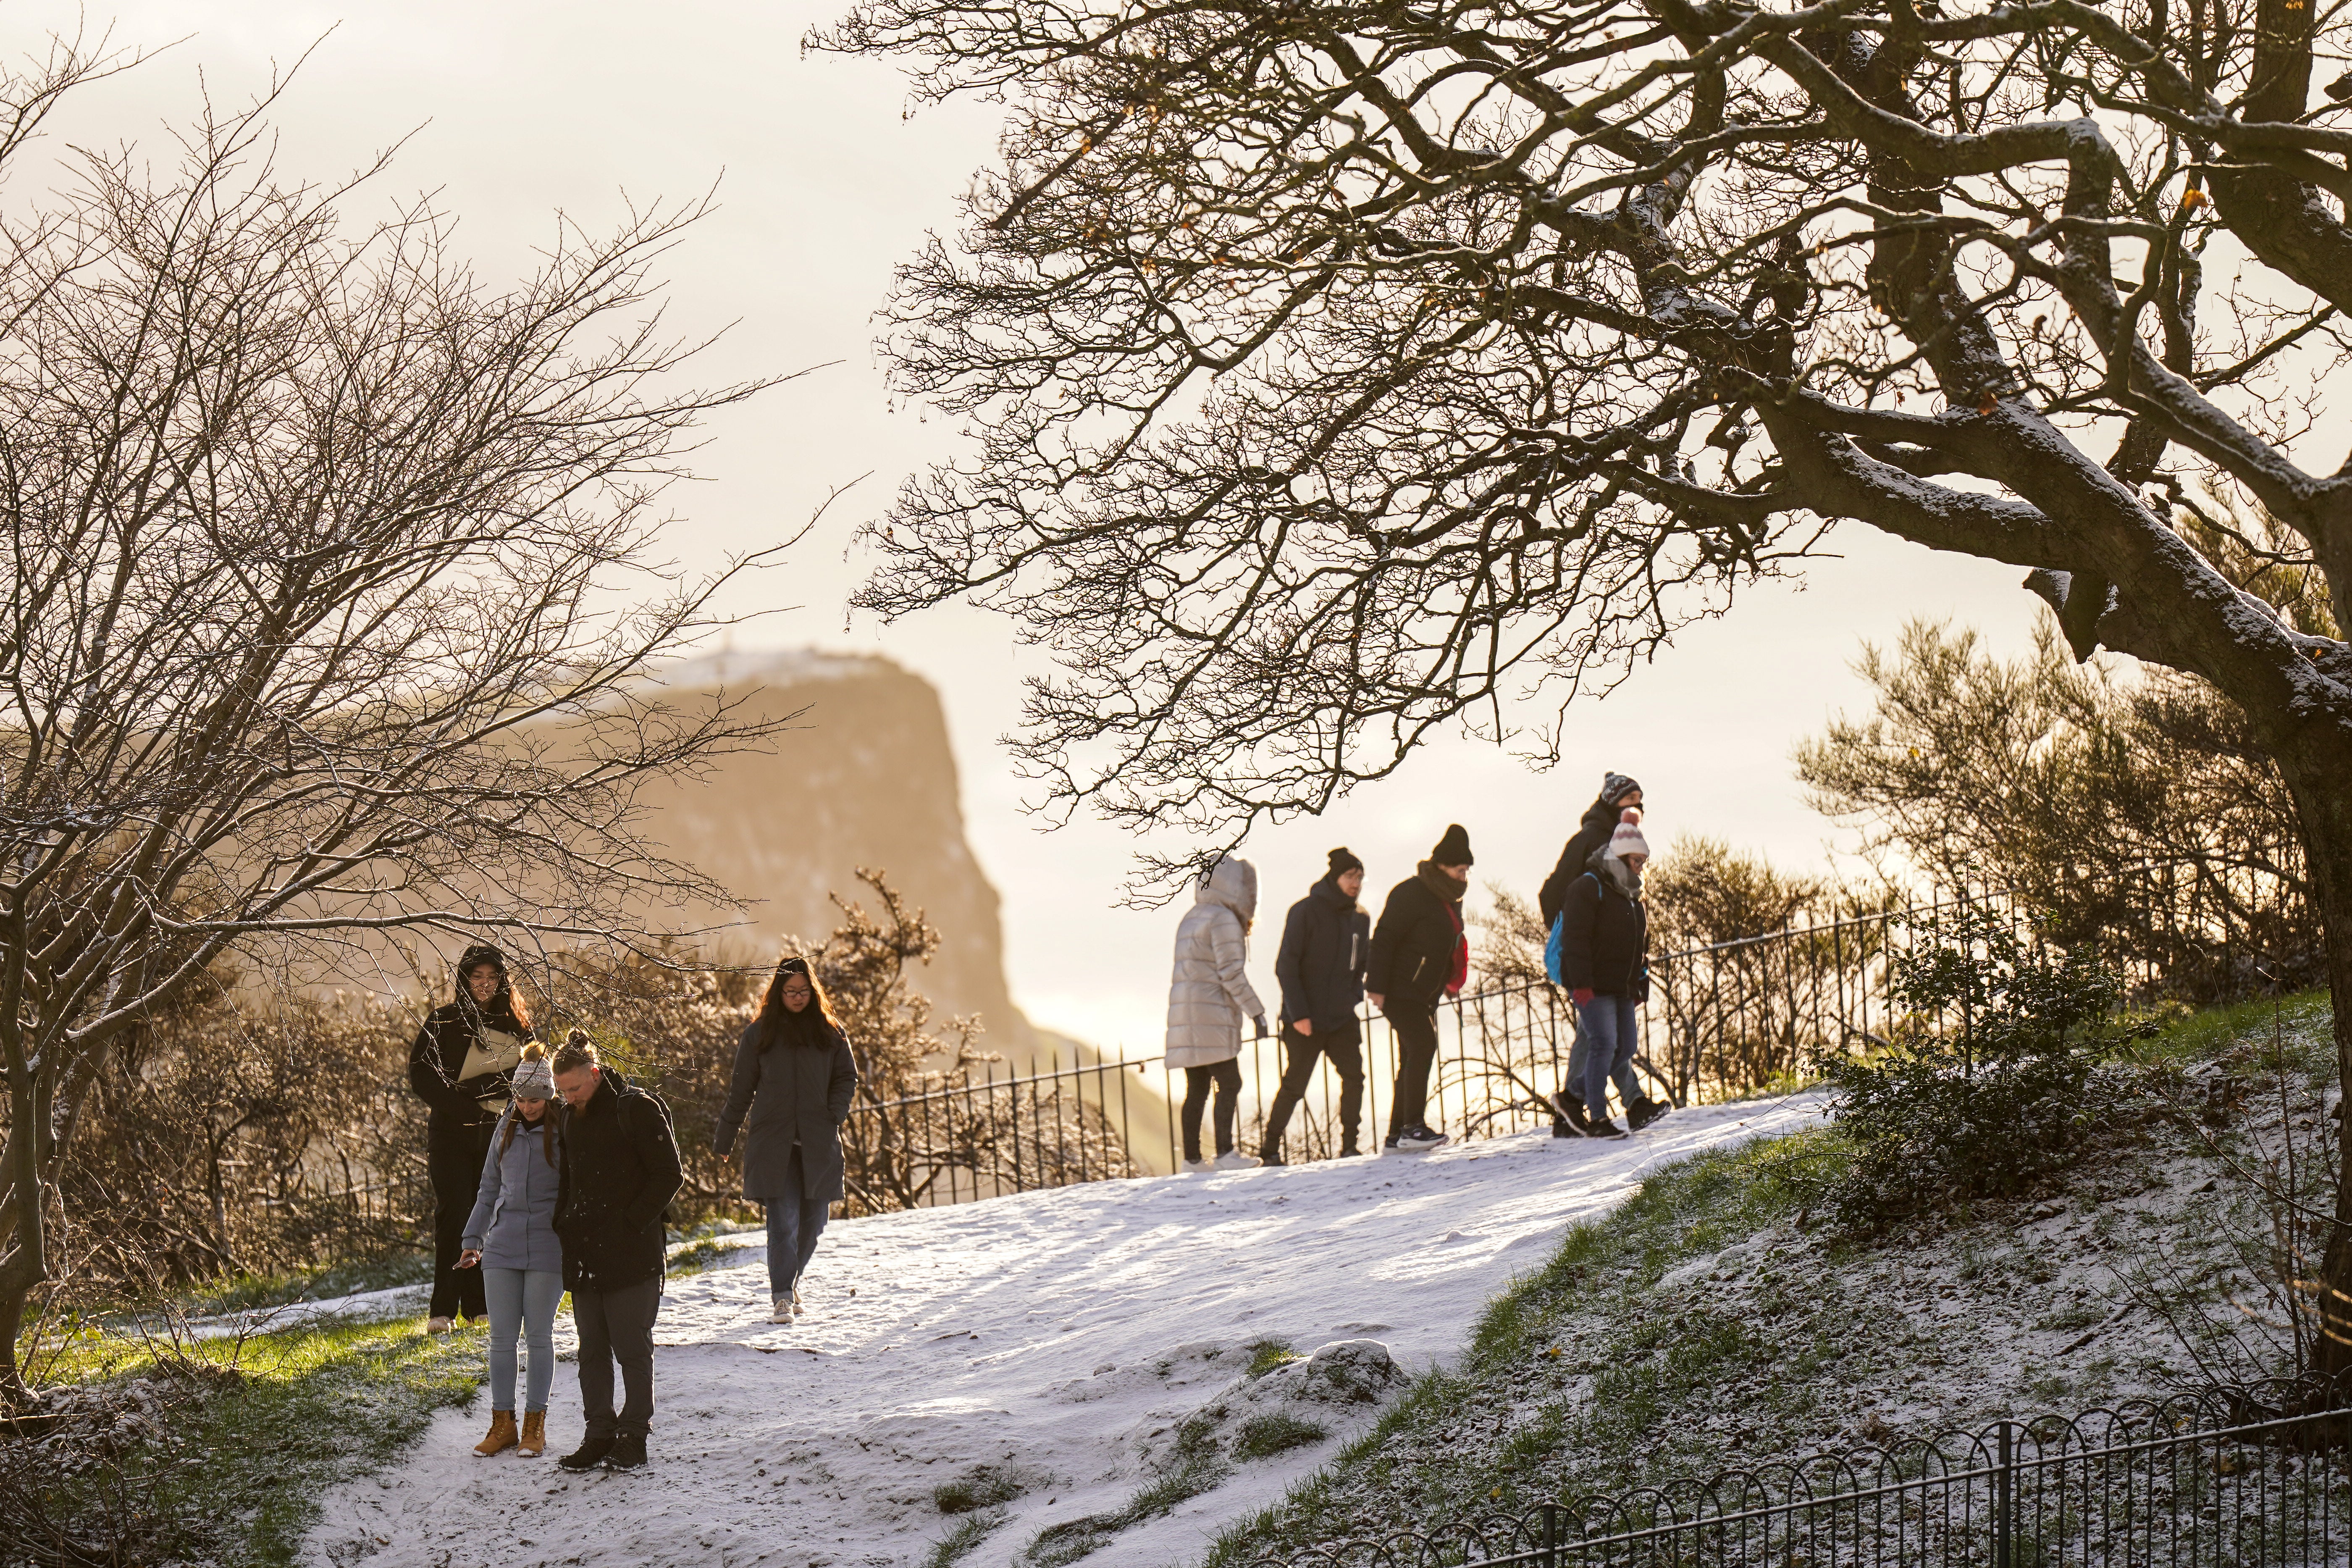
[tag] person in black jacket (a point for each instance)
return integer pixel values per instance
(617, 1171)
(1326, 944)
(1618, 793)
(795, 1078)
(1592, 837)
(1604, 962)
(461, 1066)
(1419, 957)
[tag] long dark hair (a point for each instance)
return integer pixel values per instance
(779, 1022)
(502, 1008)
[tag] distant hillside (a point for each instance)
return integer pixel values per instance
(865, 778)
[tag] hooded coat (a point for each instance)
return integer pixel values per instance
(794, 1077)
(513, 1223)
(1209, 995)
(1326, 942)
(618, 1167)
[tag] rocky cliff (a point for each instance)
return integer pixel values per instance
(864, 777)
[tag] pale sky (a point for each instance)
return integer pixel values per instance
(514, 111)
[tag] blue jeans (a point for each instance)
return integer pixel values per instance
(793, 1224)
(1610, 1021)
(1629, 1085)
(521, 1299)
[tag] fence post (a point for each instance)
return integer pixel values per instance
(2004, 1499)
(1551, 1535)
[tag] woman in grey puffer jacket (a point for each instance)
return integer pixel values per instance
(1207, 1000)
(511, 1236)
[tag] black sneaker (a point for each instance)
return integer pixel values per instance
(1604, 1128)
(588, 1454)
(1642, 1112)
(1572, 1112)
(628, 1451)
(1416, 1138)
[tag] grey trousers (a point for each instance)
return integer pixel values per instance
(618, 1326)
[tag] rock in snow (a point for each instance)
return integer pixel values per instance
(1061, 1338)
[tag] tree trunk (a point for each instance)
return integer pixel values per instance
(2321, 795)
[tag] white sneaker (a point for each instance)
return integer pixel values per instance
(1194, 1167)
(797, 1308)
(781, 1309)
(1234, 1159)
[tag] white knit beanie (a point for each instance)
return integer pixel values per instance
(534, 1078)
(1627, 839)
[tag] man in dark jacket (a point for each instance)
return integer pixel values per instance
(618, 1172)
(1583, 854)
(460, 1067)
(1604, 962)
(1420, 955)
(1326, 944)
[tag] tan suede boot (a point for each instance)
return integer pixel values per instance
(534, 1434)
(502, 1434)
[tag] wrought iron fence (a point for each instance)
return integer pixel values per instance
(1003, 1132)
(1733, 1019)
(2149, 1486)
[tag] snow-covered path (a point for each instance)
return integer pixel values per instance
(1056, 1331)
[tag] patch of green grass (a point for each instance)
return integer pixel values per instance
(1196, 1468)
(253, 1292)
(1263, 1436)
(967, 1535)
(708, 1253)
(983, 1486)
(2196, 1036)
(254, 1444)
(1267, 1354)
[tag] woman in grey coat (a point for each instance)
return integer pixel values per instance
(1207, 1000)
(794, 1076)
(511, 1236)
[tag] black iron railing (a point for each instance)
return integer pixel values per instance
(1735, 1018)
(971, 1136)
(2149, 1486)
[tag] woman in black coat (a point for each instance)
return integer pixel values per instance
(460, 1067)
(794, 1076)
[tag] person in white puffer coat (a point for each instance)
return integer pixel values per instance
(1207, 1000)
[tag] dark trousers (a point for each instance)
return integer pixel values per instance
(1299, 1054)
(618, 1326)
(1225, 1078)
(1415, 1024)
(453, 1159)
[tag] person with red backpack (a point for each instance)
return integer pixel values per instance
(1420, 956)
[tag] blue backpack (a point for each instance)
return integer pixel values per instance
(1558, 925)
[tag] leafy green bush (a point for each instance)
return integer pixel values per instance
(1992, 1082)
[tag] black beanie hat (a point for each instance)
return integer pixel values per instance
(1343, 860)
(1615, 787)
(1453, 849)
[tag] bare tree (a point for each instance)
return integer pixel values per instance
(330, 605)
(1338, 370)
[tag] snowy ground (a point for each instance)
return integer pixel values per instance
(1064, 1333)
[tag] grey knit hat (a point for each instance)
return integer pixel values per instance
(535, 1079)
